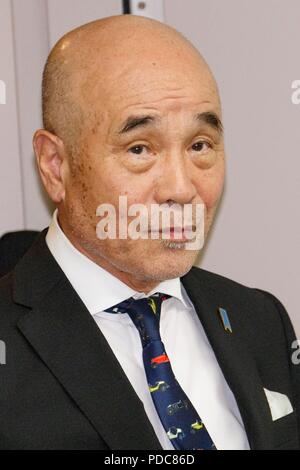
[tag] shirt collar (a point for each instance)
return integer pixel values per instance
(97, 288)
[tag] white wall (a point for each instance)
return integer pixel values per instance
(11, 189)
(31, 47)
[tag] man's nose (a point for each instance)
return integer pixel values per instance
(175, 183)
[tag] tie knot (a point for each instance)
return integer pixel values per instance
(145, 314)
(154, 302)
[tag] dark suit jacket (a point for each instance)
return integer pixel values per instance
(13, 245)
(63, 388)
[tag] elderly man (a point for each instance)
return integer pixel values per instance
(117, 342)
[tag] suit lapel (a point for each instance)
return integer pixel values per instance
(67, 339)
(236, 363)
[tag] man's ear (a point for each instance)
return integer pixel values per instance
(52, 162)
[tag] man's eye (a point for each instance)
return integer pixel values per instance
(201, 145)
(137, 149)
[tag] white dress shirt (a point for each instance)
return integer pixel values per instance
(192, 358)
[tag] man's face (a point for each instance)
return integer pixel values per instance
(172, 156)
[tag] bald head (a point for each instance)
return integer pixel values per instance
(100, 59)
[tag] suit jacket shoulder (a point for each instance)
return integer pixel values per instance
(13, 245)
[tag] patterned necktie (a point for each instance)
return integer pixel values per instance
(181, 422)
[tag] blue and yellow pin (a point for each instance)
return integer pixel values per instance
(225, 319)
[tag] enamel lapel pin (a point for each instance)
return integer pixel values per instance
(225, 319)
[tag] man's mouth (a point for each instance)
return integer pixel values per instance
(179, 234)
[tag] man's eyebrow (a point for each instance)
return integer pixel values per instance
(210, 118)
(136, 121)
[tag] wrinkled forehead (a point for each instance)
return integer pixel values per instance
(157, 86)
(152, 82)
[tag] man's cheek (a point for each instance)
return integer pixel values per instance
(209, 198)
(212, 193)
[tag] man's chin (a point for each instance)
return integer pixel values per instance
(173, 263)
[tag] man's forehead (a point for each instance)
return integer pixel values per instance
(111, 88)
(151, 80)
(112, 77)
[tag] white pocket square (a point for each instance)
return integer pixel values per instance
(279, 404)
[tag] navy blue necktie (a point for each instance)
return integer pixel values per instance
(180, 420)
